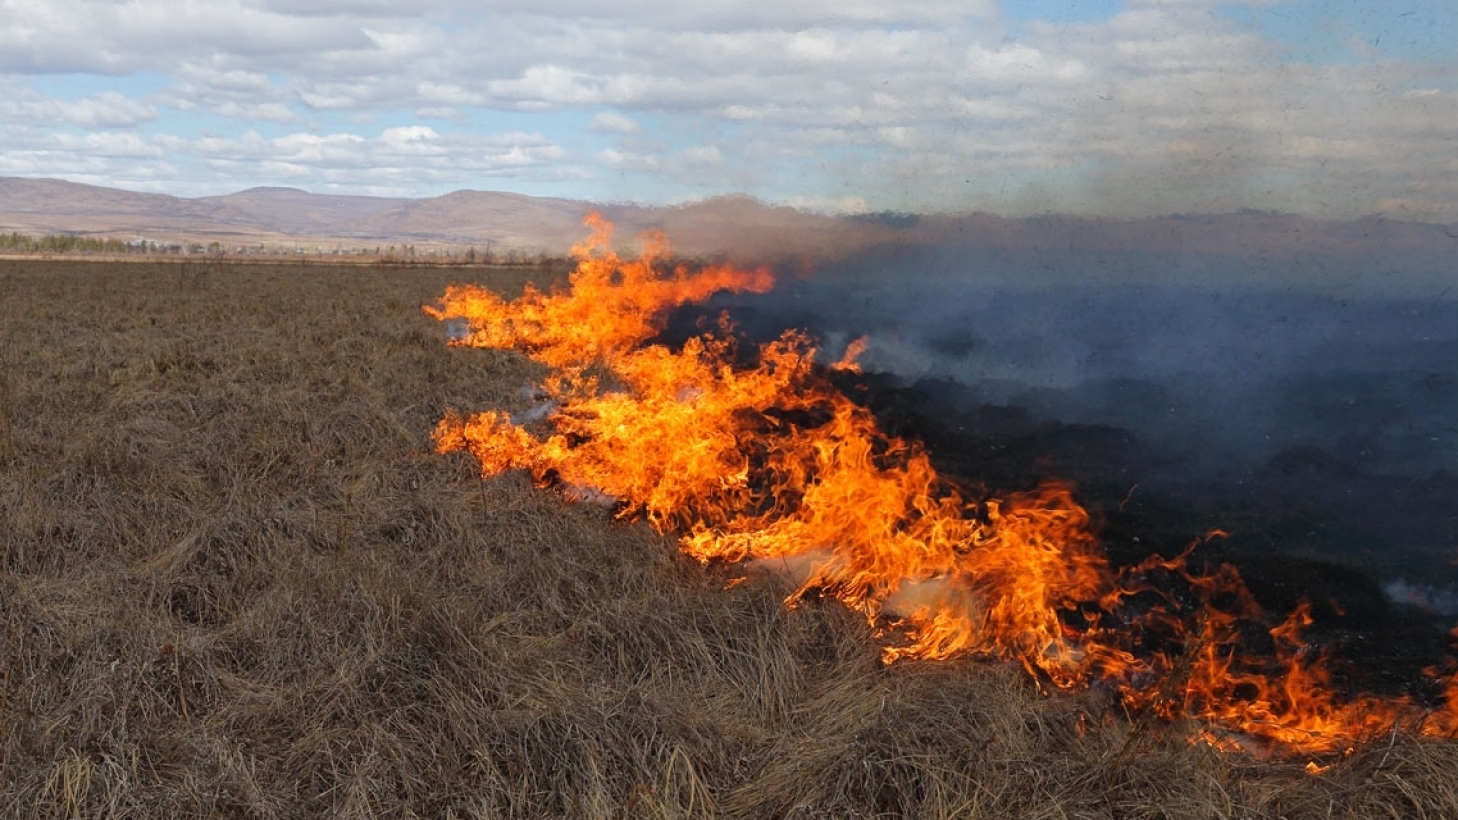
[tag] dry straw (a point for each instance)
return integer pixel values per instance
(235, 582)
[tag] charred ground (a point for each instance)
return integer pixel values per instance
(1302, 405)
(1302, 527)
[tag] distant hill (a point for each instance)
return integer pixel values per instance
(726, 225)
(478, 217)
(56, 206)
(294, 212)
(735, 226)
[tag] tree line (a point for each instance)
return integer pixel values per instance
(17, 243)
(62, 243)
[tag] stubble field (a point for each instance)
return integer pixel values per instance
(236, 582)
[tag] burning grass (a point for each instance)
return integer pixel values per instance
(768, 462)
(234, 581)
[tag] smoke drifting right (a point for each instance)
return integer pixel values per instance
(1302, 397)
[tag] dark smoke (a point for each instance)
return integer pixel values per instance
(1227, 358)
(1302, 393)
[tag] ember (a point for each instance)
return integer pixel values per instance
(771, 463)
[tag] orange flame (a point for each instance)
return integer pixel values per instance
(771, 464)
(850, 362)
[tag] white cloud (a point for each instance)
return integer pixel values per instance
(228, 92)
(702, 155)
(914, 104)
(828, 205)
(395, 159)
(620, 160)
(448, 93)
(108, 109)
(109, 144)
(262, 112)
(108, 37)
(733, 15)
(611, 122)
(694, 160)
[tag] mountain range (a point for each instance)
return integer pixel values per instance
(505, 221)
(735, 226)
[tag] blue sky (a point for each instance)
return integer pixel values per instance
(1333, 108)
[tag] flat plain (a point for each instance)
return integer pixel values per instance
(235, 581)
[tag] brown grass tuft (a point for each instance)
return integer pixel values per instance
(7, 437)
(235, 582)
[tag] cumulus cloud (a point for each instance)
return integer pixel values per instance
(104, 158)
(108, 109)
(390, 162)
(733, 15)
(263, 111)
(1165, 106)
(611, 122)
(399, 148)
(689, 160)
(838, 206)
(113, 38)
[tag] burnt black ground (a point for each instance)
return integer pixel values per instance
(1304, 405)
(1304, 526)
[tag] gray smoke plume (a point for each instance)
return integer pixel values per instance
(1229, 340)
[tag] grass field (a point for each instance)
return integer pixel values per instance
(236, 582)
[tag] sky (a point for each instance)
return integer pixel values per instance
(1329, 108)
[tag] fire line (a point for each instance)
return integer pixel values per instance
(770, 463)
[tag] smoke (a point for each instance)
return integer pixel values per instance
(1293, 381)
(1219, 358)
(1423, 597)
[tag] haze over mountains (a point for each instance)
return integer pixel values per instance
(736, 226)
(288, 216)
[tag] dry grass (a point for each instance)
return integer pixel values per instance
(235, 582)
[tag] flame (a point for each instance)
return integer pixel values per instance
(850, 362)
(771, 464)
(1290, 698)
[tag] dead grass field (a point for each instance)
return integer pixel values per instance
(235, 582)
